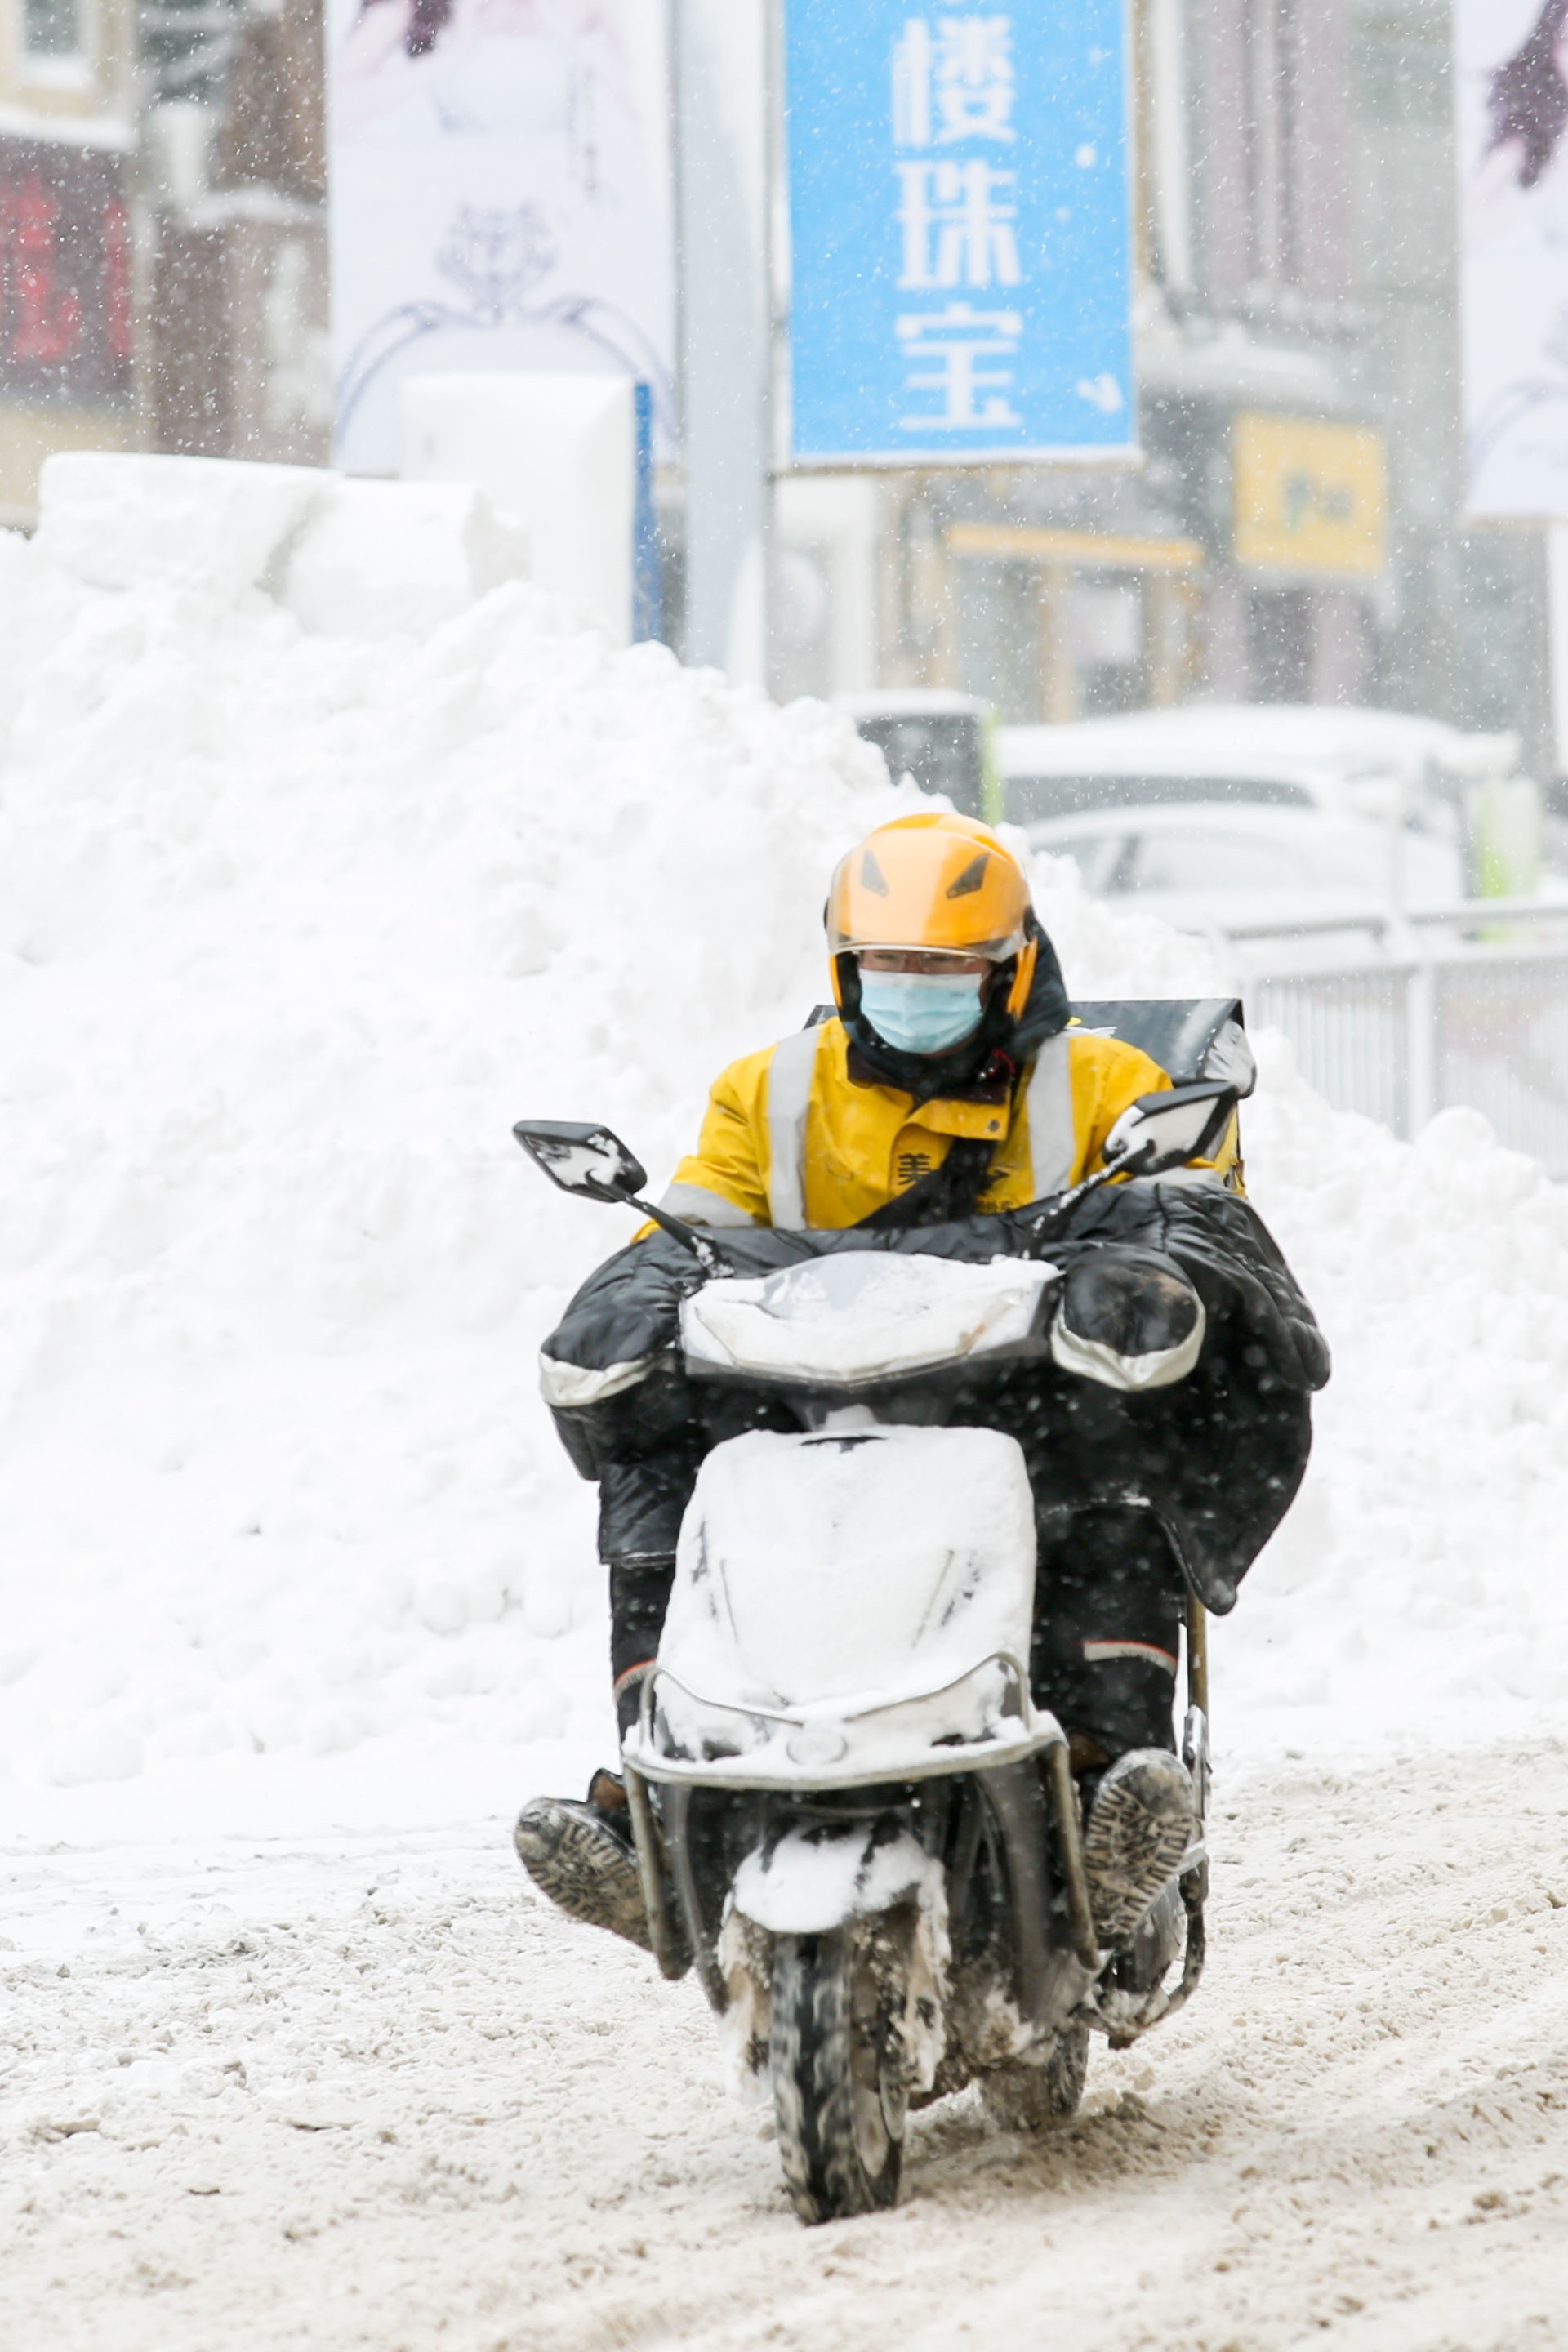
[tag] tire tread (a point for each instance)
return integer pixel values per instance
(812, 2053)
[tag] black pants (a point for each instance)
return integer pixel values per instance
(1107, 1616)
(641, 1504)
(1108, 1609)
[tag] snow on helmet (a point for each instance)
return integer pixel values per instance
(934, 885)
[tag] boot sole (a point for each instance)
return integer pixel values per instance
(1134, 1853)
(585, 1874)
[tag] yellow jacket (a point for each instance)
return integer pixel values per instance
(791, 1140)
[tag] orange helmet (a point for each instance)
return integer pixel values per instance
(937, 884)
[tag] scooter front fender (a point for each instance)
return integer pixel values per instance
(821, 1876)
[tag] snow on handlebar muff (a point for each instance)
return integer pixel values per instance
(862, 1320)
(849, 1606)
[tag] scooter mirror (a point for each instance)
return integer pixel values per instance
(1162, 1131)
(587, 1160)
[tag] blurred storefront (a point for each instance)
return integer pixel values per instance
(1310, 538)
(67, 312)
(162, 232)
(238, 345)
(1463, 632)
(1292, 532)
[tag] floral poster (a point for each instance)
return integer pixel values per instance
(501, 198)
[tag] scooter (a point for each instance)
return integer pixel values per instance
(850, 1815)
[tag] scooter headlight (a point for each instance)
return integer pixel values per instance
(985, 1706)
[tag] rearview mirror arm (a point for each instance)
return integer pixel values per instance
(1130, 1163)
(1060, 1202)
(707, 1255)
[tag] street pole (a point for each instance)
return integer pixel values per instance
(721, 79)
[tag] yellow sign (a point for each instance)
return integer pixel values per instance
(1309, 497)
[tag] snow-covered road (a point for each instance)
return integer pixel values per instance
(370, 2093)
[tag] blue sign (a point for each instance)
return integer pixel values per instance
(959, 210)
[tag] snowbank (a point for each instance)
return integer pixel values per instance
(291, 928)
(292, 925)
(1418, 1590)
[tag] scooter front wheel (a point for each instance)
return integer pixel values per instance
(839, 2088)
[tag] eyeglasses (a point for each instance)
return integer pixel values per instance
(928, 962)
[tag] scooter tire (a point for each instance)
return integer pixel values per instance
(1023, 2098)
(839, 2092)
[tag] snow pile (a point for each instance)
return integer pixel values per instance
(292, 927)
(294, 921)
(1417, 1588)
(349, 558)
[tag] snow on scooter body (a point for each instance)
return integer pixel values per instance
(855, 1599)
(864, 1831)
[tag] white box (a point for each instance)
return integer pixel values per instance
(558, 452)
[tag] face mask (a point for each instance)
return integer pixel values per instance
(921, 1012)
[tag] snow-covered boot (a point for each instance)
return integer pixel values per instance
(1141, 1824)
(583, 1858)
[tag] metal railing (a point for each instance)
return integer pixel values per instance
(1464, 1004)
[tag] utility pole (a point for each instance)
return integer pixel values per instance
(721, 83)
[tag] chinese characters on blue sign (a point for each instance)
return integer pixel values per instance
(959, 217)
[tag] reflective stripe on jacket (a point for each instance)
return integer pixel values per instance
(790, 1140)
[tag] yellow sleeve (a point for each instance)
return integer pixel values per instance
(729, 1164)
(1108, 1077)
